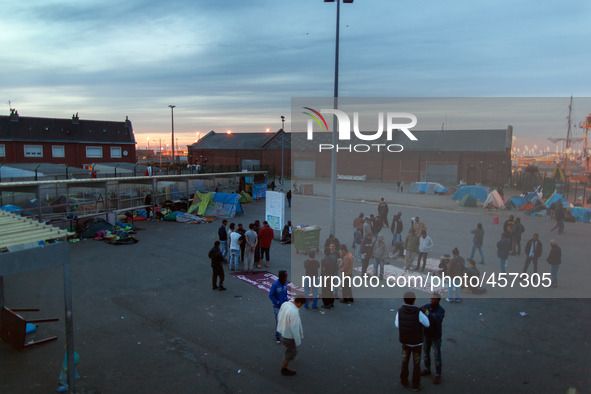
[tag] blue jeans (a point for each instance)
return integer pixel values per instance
(234, 258)
(436, 344)
(224, 248)
(503, 265)
(378, 263)
(276, 311)
(314, 295)
(450, 291)
(357, 251)
(554, 273)
(479, 247)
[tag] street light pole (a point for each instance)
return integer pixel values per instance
(172, 118)
(282, 134)
(333, 170)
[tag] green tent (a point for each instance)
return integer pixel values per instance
(468, 201)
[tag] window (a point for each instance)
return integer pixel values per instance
(94, 151)
(33, 150)
(58, 151)
(2, 151)
(116, 153)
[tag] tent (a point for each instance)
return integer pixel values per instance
(221, 205)
(31, 208)
(478, 192)
(557, 196)
(427, 188)
(581, 214)
(63, 202)
(468, 201)
(245, 197)
(11, 208)
(519, 203)
(91, 226)
(493, 201)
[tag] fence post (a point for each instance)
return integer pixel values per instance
(576, 191)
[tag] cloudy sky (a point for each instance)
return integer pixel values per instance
(236, 64)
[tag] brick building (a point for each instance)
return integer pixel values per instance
(446, 156)
(248, 151)
(73, 142)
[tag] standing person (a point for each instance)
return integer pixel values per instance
(250, 242)
(383, 211)
(411, 245)
(425, 246)
(533, 251)
(432, 336)
(397, 234)
(241, 230)
(508, 227)
(398, 186)
(148, 201)
(554, 259)
(311, 266)
(278, 295)
(265, 238)
(330, 268)
(366, 252)
(357, 220)
(455, 270)
(367, 225)
(289, 198)
(478, 240)
(503, 248)
(418, 225)
(217, 258)
(380, 250)
(559, 215)
(516, 232)
(401, 186)
(377, 227)
(257, 249)
(410, 322)
(290, 327)
(358, 240)
(223, 237)
(234, 249)
(347, 271)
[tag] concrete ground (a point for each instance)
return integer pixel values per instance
(147, 321)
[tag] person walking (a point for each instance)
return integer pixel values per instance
(217, 259)
(554, 259)
(503, 248)
(410, 322)
(478, 240)
(278, 295)
(290, 328)
(311, 266)
(265, 239)
(380, 251)
(383, 211)
(425, 246)
(432, 336)
(411, 245)
(559, 215)
(455, 270)
(347, 272)
(289, 198)
(533, 251)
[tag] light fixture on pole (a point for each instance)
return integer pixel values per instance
(282, 133)
(333, 170)
(172, 119)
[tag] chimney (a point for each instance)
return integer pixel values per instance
(75, 119)
(13, 115)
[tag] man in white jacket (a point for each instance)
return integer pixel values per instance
(289, 325)
(425, 246)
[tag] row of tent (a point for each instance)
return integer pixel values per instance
(31, 207)
(427, 188)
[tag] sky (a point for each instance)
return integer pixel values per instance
(236, 64)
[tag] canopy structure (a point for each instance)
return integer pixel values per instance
(479, 192)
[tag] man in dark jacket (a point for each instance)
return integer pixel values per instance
(410, 322)
(383, 211)
(554, 259)
(330, 267)
(217, 258)
(478, 240)
(533, 251)
(366, 252)
(432, 336)
(518, 229)
(503, 248)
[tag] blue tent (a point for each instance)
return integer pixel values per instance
(479, 192)
(229, 199)
(581, 214)
(11, 208)
(557, 196)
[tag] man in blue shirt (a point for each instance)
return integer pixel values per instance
(278, 295)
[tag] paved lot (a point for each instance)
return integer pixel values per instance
(147, 321)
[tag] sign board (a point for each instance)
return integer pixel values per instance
(275, 210)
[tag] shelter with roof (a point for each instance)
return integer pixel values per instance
(74, 142)
(444, 156)
(243, 151)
